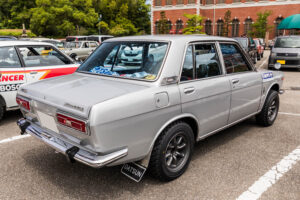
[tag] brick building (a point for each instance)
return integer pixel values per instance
(243, 14)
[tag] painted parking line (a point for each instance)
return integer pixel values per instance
(271, 177)
(292, 114)
(18, 137)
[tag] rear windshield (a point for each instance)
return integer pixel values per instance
(137, 60)
(288, 42)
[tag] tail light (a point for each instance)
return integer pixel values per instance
(71, 122)
(23, 103)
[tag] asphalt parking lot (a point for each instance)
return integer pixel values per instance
(227, 165)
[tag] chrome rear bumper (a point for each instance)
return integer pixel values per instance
(83, 156)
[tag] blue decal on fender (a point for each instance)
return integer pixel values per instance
(267, 75)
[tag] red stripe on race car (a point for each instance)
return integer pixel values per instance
(58, 72)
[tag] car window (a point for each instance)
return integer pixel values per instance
(93, 44)
(141, 60)
(234, 59)
(9, 58)
(42, 56)
(85, 45)
(188, 66)
(207, 61)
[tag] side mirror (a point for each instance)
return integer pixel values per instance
(277, 66)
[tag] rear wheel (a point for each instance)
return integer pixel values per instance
(255, 59)
(172, 152)
(269, 112)
(258, 56)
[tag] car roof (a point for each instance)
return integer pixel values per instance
(22, 43)
(286, 36)
(171, 38)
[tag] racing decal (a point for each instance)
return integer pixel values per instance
(267, 75)
(9, 87)
(11, 77)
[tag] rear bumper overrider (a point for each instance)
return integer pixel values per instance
(72, 152)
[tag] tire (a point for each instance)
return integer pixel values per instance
(269, 112)
(2, 110)
(163, 164)
(255, 59)
(73, 55)
(258, 56)
(262, 54)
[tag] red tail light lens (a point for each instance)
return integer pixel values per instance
(71, 122)
(23, 103)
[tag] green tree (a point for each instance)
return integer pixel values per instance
(162, 26)
(13, 13)
(61, 17)
(260, 26)
(193, 24)
(227, 21)
(123, 17)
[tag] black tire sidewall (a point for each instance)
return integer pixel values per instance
(273, 95)
(188, 134)
(2, 109)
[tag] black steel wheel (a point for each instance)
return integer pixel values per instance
(172, 152)
(269, 112)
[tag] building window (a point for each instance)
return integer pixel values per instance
(179, 2)
(156, 28)
(220, 24)
(236, 1)
(248, 0)
(208, 27)
(235, 28)
(209, 2)
(168, 2)
(169, 25)
(277, 22)
(248, 26)
(220, 1)
(157, 2)
(179, 26)
(191, 1)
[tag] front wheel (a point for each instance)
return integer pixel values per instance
(172, 152)
(269, 112)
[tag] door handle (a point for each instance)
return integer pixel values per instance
(235, 81)
(189, 90)
(34, 72)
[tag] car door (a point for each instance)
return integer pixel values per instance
(246, 82)
(205, 90)
(12, 75)
(44, 61)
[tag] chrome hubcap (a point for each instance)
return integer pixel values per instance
(177, 152)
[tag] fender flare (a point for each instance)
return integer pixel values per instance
(267, 92)
(178, 117)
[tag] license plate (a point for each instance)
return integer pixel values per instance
(281, 62)
(47, 121)
(133, 171)
(130, 59)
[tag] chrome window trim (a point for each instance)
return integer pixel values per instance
(253, 69)
(193, 43)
